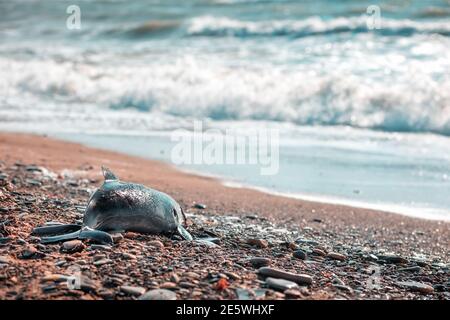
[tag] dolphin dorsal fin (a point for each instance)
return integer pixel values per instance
(109, 175)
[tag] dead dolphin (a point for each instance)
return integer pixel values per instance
(122, 206)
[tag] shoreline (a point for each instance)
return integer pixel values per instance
(338, 241)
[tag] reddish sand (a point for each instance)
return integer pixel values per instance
(187, 188)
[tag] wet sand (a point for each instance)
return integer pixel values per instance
(340, 242)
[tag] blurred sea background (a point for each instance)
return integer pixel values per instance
(364, 115)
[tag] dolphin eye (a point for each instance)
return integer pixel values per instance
(175, 213)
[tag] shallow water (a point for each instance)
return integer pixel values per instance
(364, 114)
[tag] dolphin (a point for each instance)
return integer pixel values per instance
(119, 206)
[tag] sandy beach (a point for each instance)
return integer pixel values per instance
(328, 251)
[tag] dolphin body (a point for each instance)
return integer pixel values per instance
(122, 206)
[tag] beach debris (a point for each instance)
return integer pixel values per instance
(222, 284)
(118, 205)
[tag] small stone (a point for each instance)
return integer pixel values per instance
(54, 278)
(343, 287)
(410, 269)
(4, 260)
(131, 235)
(301, 279)
(185, 284)
(174, 278)
(336, 256)
(156, 244)
(258, 262)
(192, 275)
(102, 262)
(128, 256)
(293, 293)
(117, 237)
(72, 246)
(168, 285)
(300, 254)
(100, 247)
(393, 259)
(233, 275)
(319, 252)
(29, 252)
(132, 291)
(260, 243)
(159, 294)
(200, 206)
(416, 286)
(280, 284)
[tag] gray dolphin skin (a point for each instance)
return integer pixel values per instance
(123, 206)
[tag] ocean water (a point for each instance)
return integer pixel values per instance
(364, 115)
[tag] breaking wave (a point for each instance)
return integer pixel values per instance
(222, 26)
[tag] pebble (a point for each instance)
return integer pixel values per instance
(192, 275)
(174, 278)
(280, 284)
(156, 244)
(302, 279)
(72, 246)
(54, 278)
(128, 256)
(300, 254)
(100, 247)
(117, 237)
(132, 291)
(319, 252)
(336, 256)
(410, 269)
(159, 294)
(293, 293)
(393, 259)
(168, 285)
(102, 262)
(200, 206)
(29, 252)
(416, 286)
(343, 287)
(258, 262)
(4, 260)
(260, 243)
(233, 275)
(131, 235)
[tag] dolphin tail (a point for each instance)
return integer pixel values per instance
(85, 233)
(108, 174)
(63, 237)
(56, 229)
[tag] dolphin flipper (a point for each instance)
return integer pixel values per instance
(184, 233)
